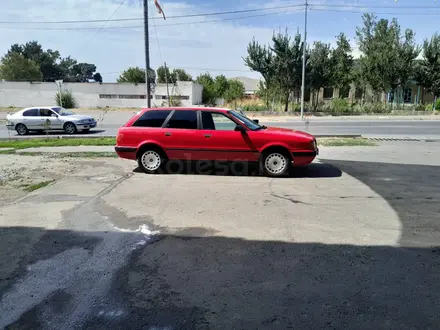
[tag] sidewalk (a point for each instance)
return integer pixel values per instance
(67, 149)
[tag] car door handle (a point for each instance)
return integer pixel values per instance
(208, 136)
(167, 134)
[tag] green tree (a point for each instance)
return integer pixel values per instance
(173, 76)
(82, 72)
(320, 69)
(342, 70)
(15, 67)
(182, 75)
(221, 85)
(97, 77)
(428, 70)
(164, 75)
(136, 75)
(288, 63)
(388, 56)
(52, 66)
(206, 80)
(234, 91)
(260, 59)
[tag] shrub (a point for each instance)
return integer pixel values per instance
(65, 99)
(253, 107)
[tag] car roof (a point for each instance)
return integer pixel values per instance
(189, 108)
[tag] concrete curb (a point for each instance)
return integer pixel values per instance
(55, 137)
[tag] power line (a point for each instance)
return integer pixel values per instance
(103, 25)
(159, 25)
(153, 18)
(380, 7)
(374, 12)
(216, 13)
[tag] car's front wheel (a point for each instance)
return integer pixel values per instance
(21, 129)
(70, 128)
(151, 161)
(275, 163)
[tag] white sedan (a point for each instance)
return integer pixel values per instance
(48, 118)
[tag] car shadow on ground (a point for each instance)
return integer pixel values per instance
(202, 282)
(314, 170)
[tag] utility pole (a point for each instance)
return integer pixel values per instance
(166, 82)
(147, 54)
(303, 87)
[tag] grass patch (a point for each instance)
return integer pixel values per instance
(345, 142)
(36, 186)
(89, 154)
(7, 152)
(35, 143)
(85, 154)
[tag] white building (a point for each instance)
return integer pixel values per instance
(250, 85)
(93, 95)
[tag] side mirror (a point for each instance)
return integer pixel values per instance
(54, 115)
(240, 129)
(256, 121)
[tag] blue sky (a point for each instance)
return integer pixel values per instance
(215, 46)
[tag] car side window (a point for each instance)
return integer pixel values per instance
(32, 113)
(152, 118)
(217, 121)
(45, 112)
(183, 119)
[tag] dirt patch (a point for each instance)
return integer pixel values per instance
(18, 173)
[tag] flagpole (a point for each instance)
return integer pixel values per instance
(147, 54)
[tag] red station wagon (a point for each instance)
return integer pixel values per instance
(156, 135)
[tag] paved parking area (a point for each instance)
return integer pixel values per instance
(352, 241)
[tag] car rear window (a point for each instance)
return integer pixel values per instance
(31, 113)
(185, 119)
(153, 118)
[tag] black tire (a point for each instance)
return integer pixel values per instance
(21, 129)
(275, 163)
(70, 128)
(151, 160)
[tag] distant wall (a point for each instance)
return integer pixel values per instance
(90, 95)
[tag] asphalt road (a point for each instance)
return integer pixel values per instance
(350, 242)
(378, 127)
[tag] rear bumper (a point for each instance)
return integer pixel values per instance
(126, 152)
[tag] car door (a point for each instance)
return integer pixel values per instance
(179, 135)
(31, 118)
(221, 141)
(50, 119)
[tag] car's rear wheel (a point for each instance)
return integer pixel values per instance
(70, 128)
(151, 161)
(275, 163)
(21, 129)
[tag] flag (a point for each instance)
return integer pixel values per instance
(159, 8)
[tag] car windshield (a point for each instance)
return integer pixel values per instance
(62, 112)
(245, 120)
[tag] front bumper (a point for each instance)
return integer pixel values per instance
(10, 127)
(86, 125)
(311, 153)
